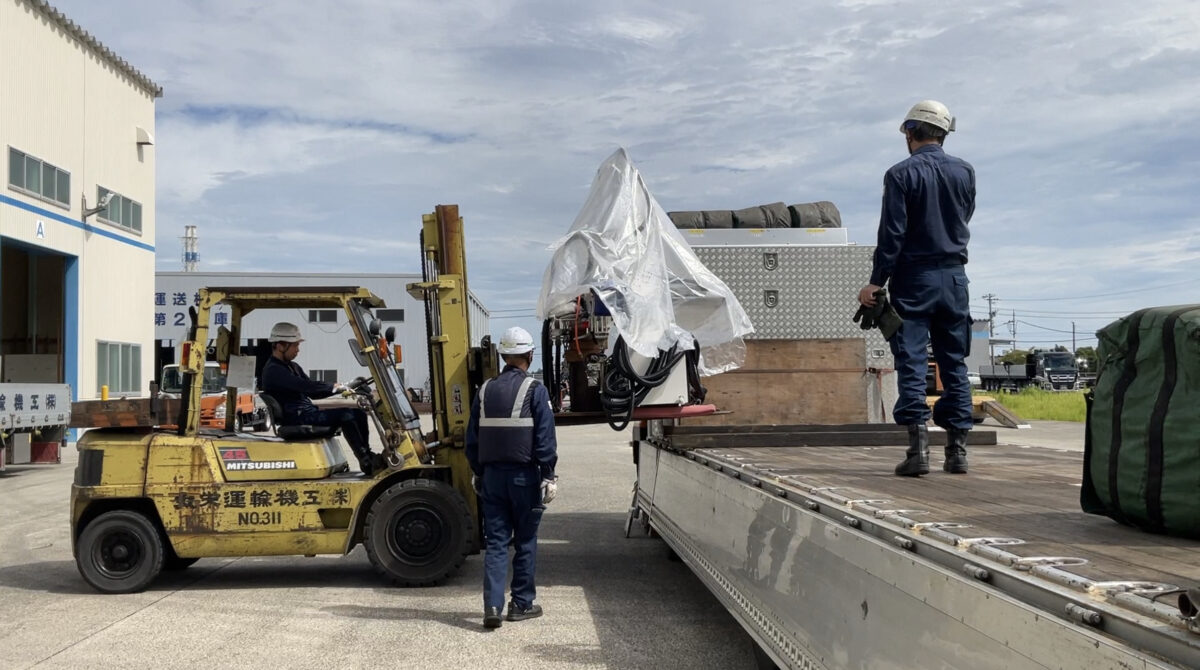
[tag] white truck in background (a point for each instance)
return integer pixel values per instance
(33, 422)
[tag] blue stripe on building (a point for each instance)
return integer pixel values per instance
(72, 222)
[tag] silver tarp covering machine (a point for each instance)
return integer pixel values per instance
(624, 247)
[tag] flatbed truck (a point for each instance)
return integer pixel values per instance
(829, 561)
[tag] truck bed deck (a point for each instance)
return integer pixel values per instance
(793, 527)
(1026, 493)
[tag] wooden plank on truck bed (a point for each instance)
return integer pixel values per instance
(793, 381)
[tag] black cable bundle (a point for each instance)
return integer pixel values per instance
(623, 389)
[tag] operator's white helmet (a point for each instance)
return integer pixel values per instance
(516, 340)
(932, 112)
(285, 332)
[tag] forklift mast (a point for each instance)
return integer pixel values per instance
(456, 370)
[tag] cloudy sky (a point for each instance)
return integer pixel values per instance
(313, 135)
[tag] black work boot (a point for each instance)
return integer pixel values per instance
(518, 613)
(916, 462)
(371, 463)
(956, 451)
(491, 617)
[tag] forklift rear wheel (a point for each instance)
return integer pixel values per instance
(266, 425)
(418, 532)
(120, 552)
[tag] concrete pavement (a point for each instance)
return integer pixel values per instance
(1066, 435)
(610, 602)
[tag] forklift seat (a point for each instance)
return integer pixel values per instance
(295, 432)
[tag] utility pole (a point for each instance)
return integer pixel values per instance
(1072, 338)
(991, 297)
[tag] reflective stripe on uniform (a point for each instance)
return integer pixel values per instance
(520, 399)
(506, 423)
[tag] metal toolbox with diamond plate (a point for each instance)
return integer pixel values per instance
(800, 292)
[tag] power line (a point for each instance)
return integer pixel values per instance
(1103, 295)
(1058, 341)
(1097, 315)
(1053, 330)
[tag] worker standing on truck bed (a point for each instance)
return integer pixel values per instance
(512, 451)
(286, 382)
(928, 199)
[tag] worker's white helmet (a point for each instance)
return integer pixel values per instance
(932, 112)
(285, 332)
(516, 340)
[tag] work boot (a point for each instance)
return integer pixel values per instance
(491, 617)
(956, 451)
(371, 463)
(518, 613)
(916, 462)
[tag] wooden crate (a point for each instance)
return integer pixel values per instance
(793, 382)
(128, 413)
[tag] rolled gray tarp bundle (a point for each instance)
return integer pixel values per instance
(687, 219)
(823, 214)
(718, 218)
(774, 215)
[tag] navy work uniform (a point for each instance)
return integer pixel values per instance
(511, 447)
(287, 382)
(928, 199)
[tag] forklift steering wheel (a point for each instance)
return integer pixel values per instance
(360, 384)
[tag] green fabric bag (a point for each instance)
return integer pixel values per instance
(1141, 462)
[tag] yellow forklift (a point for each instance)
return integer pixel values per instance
(147, 499)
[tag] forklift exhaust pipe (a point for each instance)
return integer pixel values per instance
(1189, 603)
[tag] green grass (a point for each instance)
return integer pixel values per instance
(1037, 405)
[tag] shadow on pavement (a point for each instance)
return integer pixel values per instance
(466, 620)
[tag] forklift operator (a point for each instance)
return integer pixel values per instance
(287, 383)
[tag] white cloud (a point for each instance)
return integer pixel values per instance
(309, 128)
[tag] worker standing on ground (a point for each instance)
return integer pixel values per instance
(512, 451)
(286, 382)
(928, 199)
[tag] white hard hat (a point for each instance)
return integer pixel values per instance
(516, 340)
(932, 112)
(285, 332)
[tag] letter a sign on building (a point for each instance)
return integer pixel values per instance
(41, 229)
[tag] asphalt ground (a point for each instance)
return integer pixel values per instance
(610, 602)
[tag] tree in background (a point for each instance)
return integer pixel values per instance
(1088, 357)
(1014, 356)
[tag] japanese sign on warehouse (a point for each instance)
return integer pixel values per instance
(171, 319)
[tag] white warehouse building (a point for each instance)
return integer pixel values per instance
(77, 130)
(326, 353)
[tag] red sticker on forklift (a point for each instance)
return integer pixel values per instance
(239, 459)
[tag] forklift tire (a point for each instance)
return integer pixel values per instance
(120, 552)
(418, 532)
(266, 425)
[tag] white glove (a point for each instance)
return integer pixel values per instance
(549, 490)
(477, 484)
(340, 389)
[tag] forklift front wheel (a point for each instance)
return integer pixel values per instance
(418, 532)
(120, 552)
